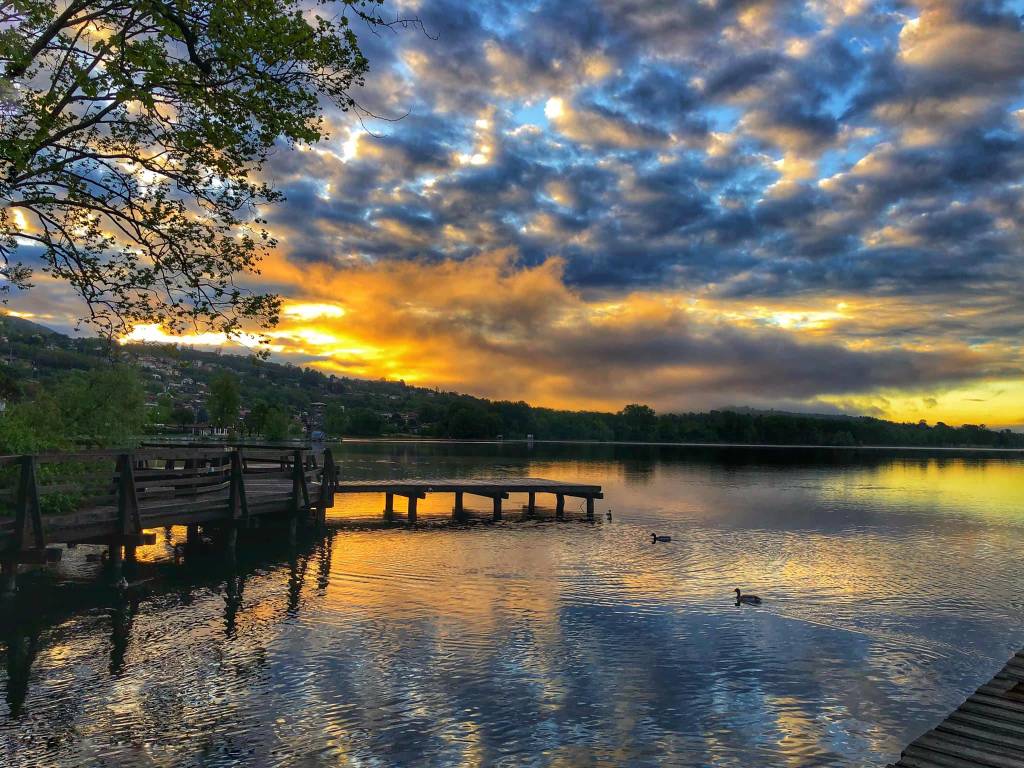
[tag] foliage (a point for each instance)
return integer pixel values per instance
(276, 425)
(362, 422)
(131, 151)
(182, 415)
(225, 400)
(335, 419)
(101, 408)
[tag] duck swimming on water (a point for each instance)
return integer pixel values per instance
(655, 537)
(748, 599)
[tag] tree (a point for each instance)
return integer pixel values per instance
(275, 425)
(224, 400)
(335, 419)
(132, 135)
(101, 408)
(638, 422)
(470, 420)
(363, 422)
(182, 415)
(256, 419)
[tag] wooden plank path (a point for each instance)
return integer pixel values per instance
(986, 731)
(112, 497)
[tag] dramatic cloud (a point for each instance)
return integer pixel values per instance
(610, 201)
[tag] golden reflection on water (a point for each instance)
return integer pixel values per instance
(890, 589)
(991, 489)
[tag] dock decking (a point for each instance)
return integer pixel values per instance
(986, 731)
(112, 497)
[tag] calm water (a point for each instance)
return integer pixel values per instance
(892, 587)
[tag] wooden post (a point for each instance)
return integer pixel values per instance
(114, 558)
(326, 485)
(559, 506)
(128, 521)
(238, 504)
(299, 486)
(413, 498)
(230, 540)
(8, 577)
(496, 513)
(389, 507)
(130, 555)
(459, 512)
(590, 508)
(531, 504)
(293, 504)
(27, 507)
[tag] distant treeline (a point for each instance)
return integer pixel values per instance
(641, 423)
(39, 382)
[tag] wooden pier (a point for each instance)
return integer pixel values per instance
(495, 489)
(112, 498)
(986, 731)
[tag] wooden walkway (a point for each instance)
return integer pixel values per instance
(986, 731)
(112, 498)
(496, 489)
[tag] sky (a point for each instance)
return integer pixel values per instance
(808, 206)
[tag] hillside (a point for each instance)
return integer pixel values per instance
(178, 379)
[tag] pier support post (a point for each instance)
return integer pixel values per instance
(389, 507)
(531, 503)
(459, 512)
(293, 529)
(590, 508)
(413, 499)
(192, 539)
(114, 558)
(496, 514)
(559, 506)
(130, 556)
(8, 577)
(231, 540)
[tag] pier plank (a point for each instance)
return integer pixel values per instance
(986, 731)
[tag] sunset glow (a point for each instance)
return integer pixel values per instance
(803, 207)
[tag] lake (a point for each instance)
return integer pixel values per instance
(891, 582)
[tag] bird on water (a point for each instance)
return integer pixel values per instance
(748, 599)
(655, 537)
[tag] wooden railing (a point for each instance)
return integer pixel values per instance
(105, 495)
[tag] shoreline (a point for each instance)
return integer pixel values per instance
(791, 446)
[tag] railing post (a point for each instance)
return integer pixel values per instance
(299, 487)
(27, 507)
(238, 504)
(326, 487)
(128, 520)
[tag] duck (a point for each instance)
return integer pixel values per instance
(748, 599)
(655, 537)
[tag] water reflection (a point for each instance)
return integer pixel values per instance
(890, 587)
